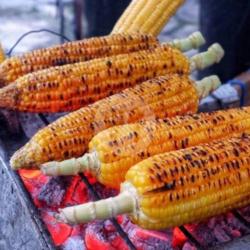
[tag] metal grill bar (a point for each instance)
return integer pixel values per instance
(119, 229)
(241, 219)
(190, 237)
(44, 119)
(97, 197)
(114, 221)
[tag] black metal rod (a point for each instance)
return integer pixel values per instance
(31, 32)
(190, 237)
(114, 221)
(44, 119)
(241, 219)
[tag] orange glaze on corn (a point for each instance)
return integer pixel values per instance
(70, 87)
(178, 187)
(120, 147)
(69, 136)
(72, 52)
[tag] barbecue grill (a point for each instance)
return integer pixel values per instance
(41, 196)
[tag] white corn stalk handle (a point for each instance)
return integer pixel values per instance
(213, 55)
(194, 41)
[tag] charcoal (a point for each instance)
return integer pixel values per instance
(146, 239)
(221, 234)
(235, 233)
(74, 243)
(245, 212)
(204, 235)
(30, 123)
(188, 246)
(102, 235)
(52, 193)
(231, 226)
(219, 229)
(102, 191)
(9, 119)
(76, 193)
(211, 223)
(60, 232)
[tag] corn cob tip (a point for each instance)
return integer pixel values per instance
(194, 41)
(17, 160)
(213, 55)
(125, 202)
(89, 162)
(25, 157)
(9, 96)
(207, 85)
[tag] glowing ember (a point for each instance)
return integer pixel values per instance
(178, 238)
(59, 231)
(50, 193)
(29, 174)
(103, 236)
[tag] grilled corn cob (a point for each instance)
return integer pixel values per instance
(178, 187)
(148, 17)
(115, 150)
(70, 87)
(72, 52)
(69, 136)
(2, 54)
(86, 50)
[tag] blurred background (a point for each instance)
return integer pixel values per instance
(76, 19)
(225, 21)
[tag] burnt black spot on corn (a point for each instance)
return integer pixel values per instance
(72, 52)
(174, 200)
(131, 105)
(152, 137)
(69, 87)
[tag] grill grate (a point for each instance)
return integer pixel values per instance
(96, 196)
(124, 235)
(114, 221)
(241, 218)
(29, 206)
(190, 237)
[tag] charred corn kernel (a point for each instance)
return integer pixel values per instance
(70, 87)
(69, 136)
(148, 17)
(72, 52)
(85, 50)
(178, 187)
(2, 54)
(115, 150)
